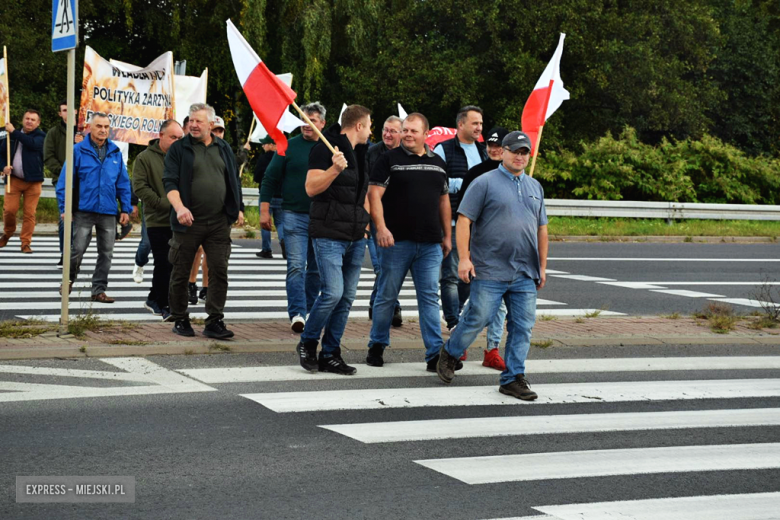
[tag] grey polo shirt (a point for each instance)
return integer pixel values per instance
(506, 212)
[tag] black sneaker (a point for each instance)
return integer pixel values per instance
(204, 293)
(307, 354)
(398, 320)
(430, 366)
(446, 366)
(519, 388)
(375, 353)
(264, 254)
(335, 365)
(183, 328)
(152, 307)
(192, 289)
(217, 330)
(166, 315)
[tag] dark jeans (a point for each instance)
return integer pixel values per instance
(142, 253)
(158, 241)
(105, 232)
(214, 236)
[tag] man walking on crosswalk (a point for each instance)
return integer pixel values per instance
(507, 261)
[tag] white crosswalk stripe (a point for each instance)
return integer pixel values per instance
(257, 287)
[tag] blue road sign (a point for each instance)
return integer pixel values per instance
(63, 25)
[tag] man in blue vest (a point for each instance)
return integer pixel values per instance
(461, 153)
(99, 180)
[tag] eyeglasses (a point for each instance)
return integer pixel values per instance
(390, 131)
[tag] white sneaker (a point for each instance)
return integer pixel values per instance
(138, 274)
(297, 324)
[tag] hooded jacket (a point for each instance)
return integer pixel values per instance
(338, 213)
(148, 185)
(97, 186)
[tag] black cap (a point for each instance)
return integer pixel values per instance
(496, 135)
(516, 140)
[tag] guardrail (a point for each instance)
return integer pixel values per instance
(610, 208)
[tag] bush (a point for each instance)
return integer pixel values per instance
(706, 170)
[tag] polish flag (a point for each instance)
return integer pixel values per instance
(268, 96)
(547, 97)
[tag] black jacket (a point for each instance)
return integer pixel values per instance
(178, 176)
(32, 153)
(458, 166)
(338, 213)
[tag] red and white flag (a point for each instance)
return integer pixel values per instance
(268, 96)
(547, 97)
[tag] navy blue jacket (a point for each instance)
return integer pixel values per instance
(32, 153)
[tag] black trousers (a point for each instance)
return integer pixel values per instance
(214, 236)
(161, 277)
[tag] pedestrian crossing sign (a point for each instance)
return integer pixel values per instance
(63, 25)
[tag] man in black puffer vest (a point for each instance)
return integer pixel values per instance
(461, 153)
(338, 225)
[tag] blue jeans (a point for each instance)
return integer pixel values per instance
(486, 295)
(144, 246)
(375, 252)
(454, 292)
(276, 214)
(424, 260)
(340, 263)
(303, 279)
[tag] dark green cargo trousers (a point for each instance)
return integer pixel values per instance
(214, 236)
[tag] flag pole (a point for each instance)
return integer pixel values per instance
(316, 130)
(7, 118)
(251, 129)
(536, 150)
(541, 127)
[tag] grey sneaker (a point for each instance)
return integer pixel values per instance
(519, 388)
(446, 365)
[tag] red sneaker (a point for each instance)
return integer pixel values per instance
(465, 355)
(493, 360)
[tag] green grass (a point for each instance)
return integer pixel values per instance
(24, 329)
(607, 227)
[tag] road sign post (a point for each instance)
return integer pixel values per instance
(64, 36)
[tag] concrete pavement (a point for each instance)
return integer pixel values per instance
(143, 339)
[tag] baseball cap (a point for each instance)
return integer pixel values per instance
(267, 140)
(219, 122)
(496, 135)
(516, 140)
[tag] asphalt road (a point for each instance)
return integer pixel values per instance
(258, 449)
(623, 278)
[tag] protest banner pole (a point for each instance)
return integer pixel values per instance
(251, 129)
(68, 220)
(7, 119)
(536, 150)
(316, 130)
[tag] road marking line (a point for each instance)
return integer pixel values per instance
(533, 366)
(598, 463)
(611, 259)
(386, 398)
(583, 278)
(70, 372)
(633, 285)
(407, 431)
(747, 302)
(124, 285)
(9, 295)
(749, 506)
(688, 294)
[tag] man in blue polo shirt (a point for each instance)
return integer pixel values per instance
(507, 261)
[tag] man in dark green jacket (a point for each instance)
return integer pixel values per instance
(202, 184)
(54, 153)
(148, 186)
